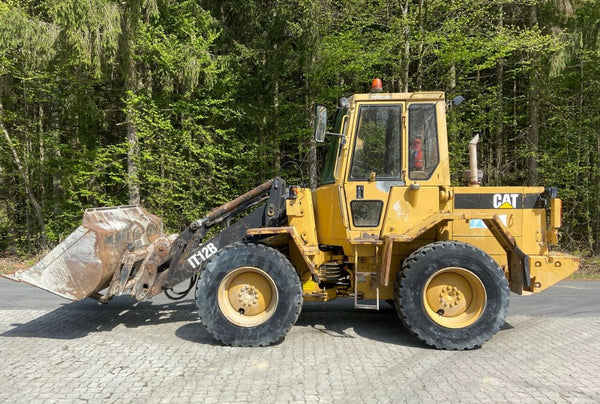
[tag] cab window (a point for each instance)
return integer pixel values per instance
(377, 148)
(334, 150)
(423, 141)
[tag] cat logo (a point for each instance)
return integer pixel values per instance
(505, 201)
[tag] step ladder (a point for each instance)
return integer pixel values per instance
(362, 276)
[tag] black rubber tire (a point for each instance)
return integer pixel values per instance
(412, 280)
(281, 273)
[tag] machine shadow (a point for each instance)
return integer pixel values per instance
(339, 319)
(79, 319)
(336, 319)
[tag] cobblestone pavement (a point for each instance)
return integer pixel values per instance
(158, 352)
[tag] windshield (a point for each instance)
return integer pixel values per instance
(377, 147)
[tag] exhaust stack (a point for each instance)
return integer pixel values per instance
(473, 175)
(473, 180)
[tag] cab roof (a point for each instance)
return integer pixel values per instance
(417, 96)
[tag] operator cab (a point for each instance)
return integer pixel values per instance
(380, 141)
(387, 129)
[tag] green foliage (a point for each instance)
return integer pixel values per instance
(185, 168)
(220, 95)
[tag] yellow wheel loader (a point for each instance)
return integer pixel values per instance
(384, 224)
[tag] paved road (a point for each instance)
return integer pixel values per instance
(52, 350)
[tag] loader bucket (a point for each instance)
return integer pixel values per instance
(84, 263)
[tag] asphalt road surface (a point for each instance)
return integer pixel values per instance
(54, 350)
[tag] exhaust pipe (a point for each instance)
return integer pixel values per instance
(473, 172)
(473, 175)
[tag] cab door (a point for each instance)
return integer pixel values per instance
(410, 206)
(375, 166)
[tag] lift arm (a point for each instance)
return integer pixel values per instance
(191, 249)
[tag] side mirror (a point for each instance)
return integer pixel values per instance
(320, 123)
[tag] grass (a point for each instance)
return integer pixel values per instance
(589, 269)
(14, 263)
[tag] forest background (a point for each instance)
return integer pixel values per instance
(183, 105)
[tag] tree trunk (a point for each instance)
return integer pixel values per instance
(406, 56)
(310, 113)
(422, 21)
(596, 182)
(130, 20)
(132, 168)
(312, 161)
(499, 132)
(37, 209)
(533, 134)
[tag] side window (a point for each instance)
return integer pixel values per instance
(330, 161)
(423, 141)
(334, 151)
(341, 146)
(378, 140)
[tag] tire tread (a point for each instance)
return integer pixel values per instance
(208, 279)
(413, 263)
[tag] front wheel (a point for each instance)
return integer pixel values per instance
(248, 295)
(451, 295)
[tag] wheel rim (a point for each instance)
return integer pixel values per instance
(454, 297)
(248, 296)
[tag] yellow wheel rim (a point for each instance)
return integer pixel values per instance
(248, 296)
(454, 297)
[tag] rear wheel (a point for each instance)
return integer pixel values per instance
(248, 295)
(451, 295)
